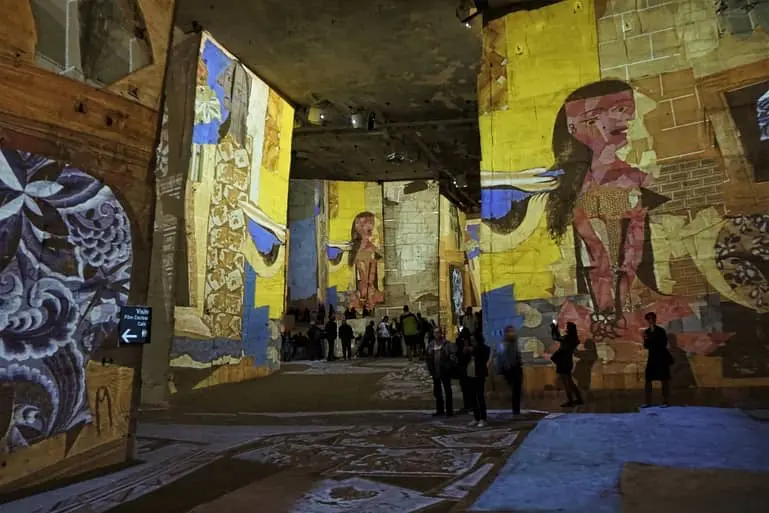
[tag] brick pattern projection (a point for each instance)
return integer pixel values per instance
(231, 257)
(627, 179)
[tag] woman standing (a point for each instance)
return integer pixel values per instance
(563, 359)
(477, 372)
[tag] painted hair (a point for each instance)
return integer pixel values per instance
(355, 237)
(573, 158)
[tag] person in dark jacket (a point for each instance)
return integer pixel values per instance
(441, 361)
(659, 360)
(346, 335)
(563, 359)
(331, 332)
(464, 353)
(478, 371)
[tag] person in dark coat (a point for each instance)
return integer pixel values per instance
(441, 362)
(563, 359)
(659, 360)
(478, 371)
(331, 332)
(508, 363)
(464, 353)
(346, 335)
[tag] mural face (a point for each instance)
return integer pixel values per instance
(65, 271)
(236, 236)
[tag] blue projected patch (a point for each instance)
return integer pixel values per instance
(256, 328)
(264, 239)
(332, 297)
(497, 202)
(333, 252)
(499, 312)
(303, 260)
(216, 62)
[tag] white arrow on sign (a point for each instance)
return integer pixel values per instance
(127, 336)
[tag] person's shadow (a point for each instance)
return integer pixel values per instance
(583, 369)
(681, 374)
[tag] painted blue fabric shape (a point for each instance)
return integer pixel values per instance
(216, 62)
(497, 202)
(303, 260)
(256, 329)
(264, 239)
(573, 463)
(332, 297)
(499, 312)
(474, 231)
(333, 252)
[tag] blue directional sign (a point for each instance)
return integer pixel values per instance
(135, 324)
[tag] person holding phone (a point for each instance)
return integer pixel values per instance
(563, 359)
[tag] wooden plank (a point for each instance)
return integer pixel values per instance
(144, 86)
(18, 32)
(74, 114)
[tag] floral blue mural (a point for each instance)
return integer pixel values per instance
(65, 270)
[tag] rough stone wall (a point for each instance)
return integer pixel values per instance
(628, 178)
(411, 233)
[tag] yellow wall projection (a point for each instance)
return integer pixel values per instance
(605, 196)
(227, 321)
(355, 251)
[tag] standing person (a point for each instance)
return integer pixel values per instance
(424, 329)
(563, 359)
(346, 335)
(509, 364)
(468, 320)
(477, 372)
(464, 354)
(384, 337)
(441, 360)
(369, 337)
(659, 360)
(411, 331)
(331, 334)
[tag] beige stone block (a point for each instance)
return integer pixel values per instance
(612, 55)
(620, 6)
(679, 83)
(655, 67)
(609, 29)
(683, 140)
(638, 49)
(658, 18)
(630, 24)
(687, 110)
(665, 43)
(650, 86)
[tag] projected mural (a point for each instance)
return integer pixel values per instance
(65, 271)
(228, 318)
(603, 199)
(354, 250)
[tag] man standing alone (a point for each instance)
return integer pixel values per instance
(346, 335)
(331, 334)
(411, 331)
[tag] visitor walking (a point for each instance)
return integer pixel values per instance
(477, 372)
(331, 334)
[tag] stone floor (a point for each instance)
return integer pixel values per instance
(358, 437)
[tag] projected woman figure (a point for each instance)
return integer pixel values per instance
(364, 258)
(599, 194)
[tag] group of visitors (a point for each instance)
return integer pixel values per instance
(469, 361)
